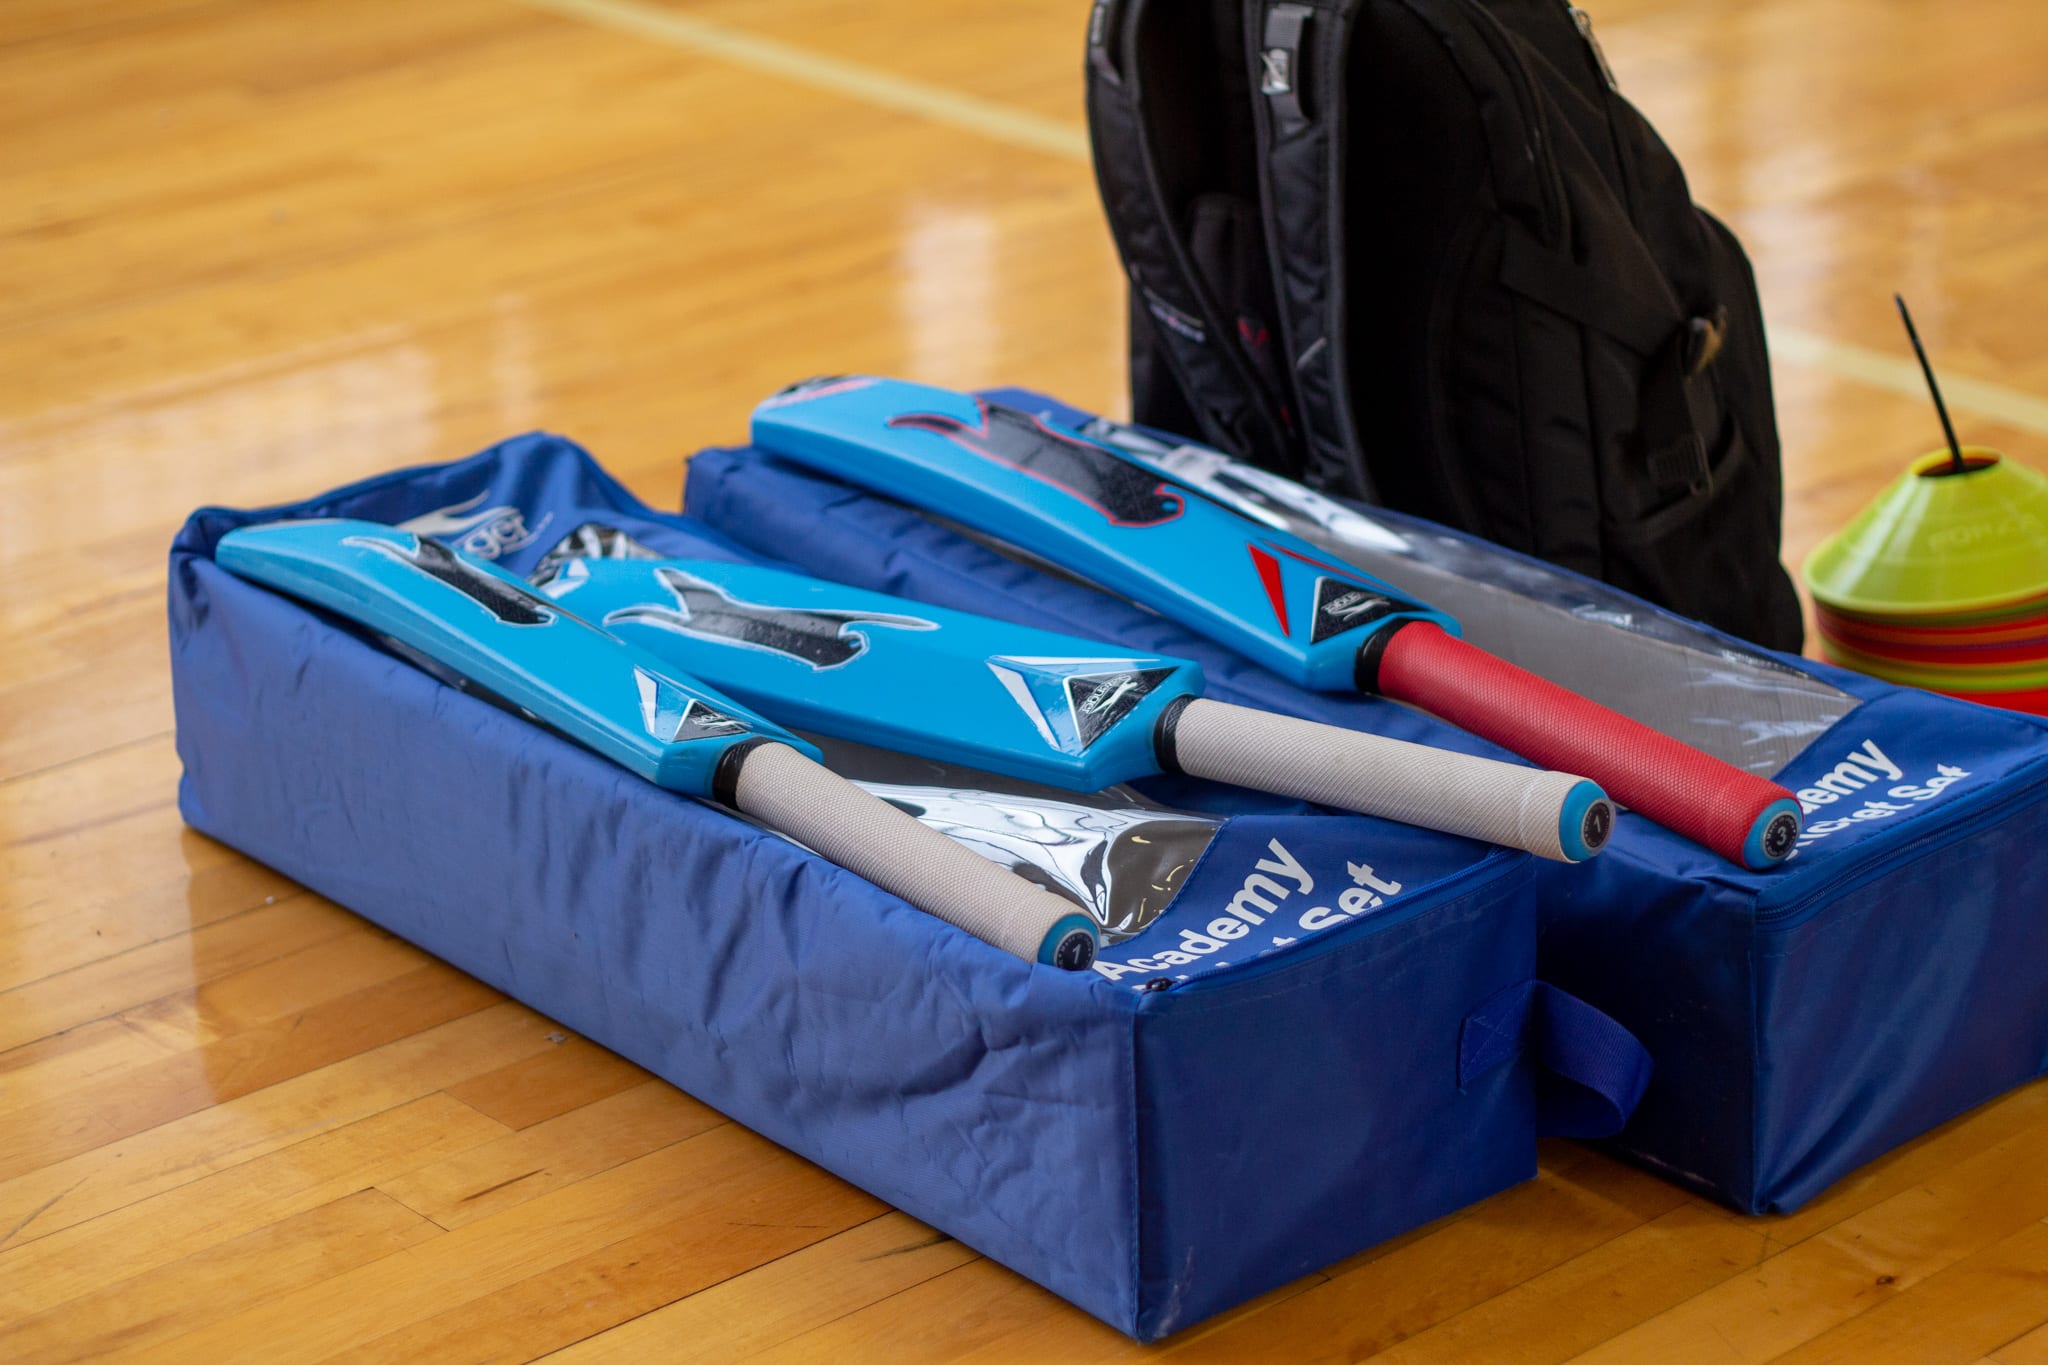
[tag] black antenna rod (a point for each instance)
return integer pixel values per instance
(1955, 447)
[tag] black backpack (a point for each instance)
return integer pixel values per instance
(1421, 252)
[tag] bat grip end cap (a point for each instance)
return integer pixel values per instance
(1070, 944)
(1585, 822)
(1773, 837)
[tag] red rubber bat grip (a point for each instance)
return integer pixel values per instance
(1739, 815)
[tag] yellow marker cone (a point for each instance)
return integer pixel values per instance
(1938, 542)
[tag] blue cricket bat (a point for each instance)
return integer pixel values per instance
(1028, 703)
(1131, 527)
(647, 716)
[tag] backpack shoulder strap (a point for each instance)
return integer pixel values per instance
(1305, 53)
(1236, 411)
(1298, 52)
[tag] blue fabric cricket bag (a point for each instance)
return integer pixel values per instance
(1803, 1020)
(1155, 1141)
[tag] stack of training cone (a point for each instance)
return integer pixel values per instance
(1942, 582)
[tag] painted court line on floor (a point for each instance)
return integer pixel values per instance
(770, 57)
(1020, 128)
(1901, 375)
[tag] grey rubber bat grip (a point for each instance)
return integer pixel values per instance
(1551, 814)
(867, 836)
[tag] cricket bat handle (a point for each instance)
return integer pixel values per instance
(1551, 814)
(1744, 818)
(873, 839)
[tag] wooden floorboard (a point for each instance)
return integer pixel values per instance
(254, 248)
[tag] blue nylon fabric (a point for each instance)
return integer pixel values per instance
(1803, 1020)
(1594, 1070)
(1151, 1155)
(1315, 1106)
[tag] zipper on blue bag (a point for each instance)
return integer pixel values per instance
(1979, 810)
(1583, 22)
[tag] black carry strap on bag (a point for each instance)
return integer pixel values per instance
(1189, 248)
(1421, 252)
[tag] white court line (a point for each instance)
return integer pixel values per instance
(1015, 126)
(1021, 128)
(2007, 406)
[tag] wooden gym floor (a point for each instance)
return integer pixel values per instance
(252, 250)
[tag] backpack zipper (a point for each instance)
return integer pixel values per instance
(1624, 158)
(1584, 23)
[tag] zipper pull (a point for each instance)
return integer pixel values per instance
(1584, 23)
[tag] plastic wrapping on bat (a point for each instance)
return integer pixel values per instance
(1115, 854)
(1740, 705)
